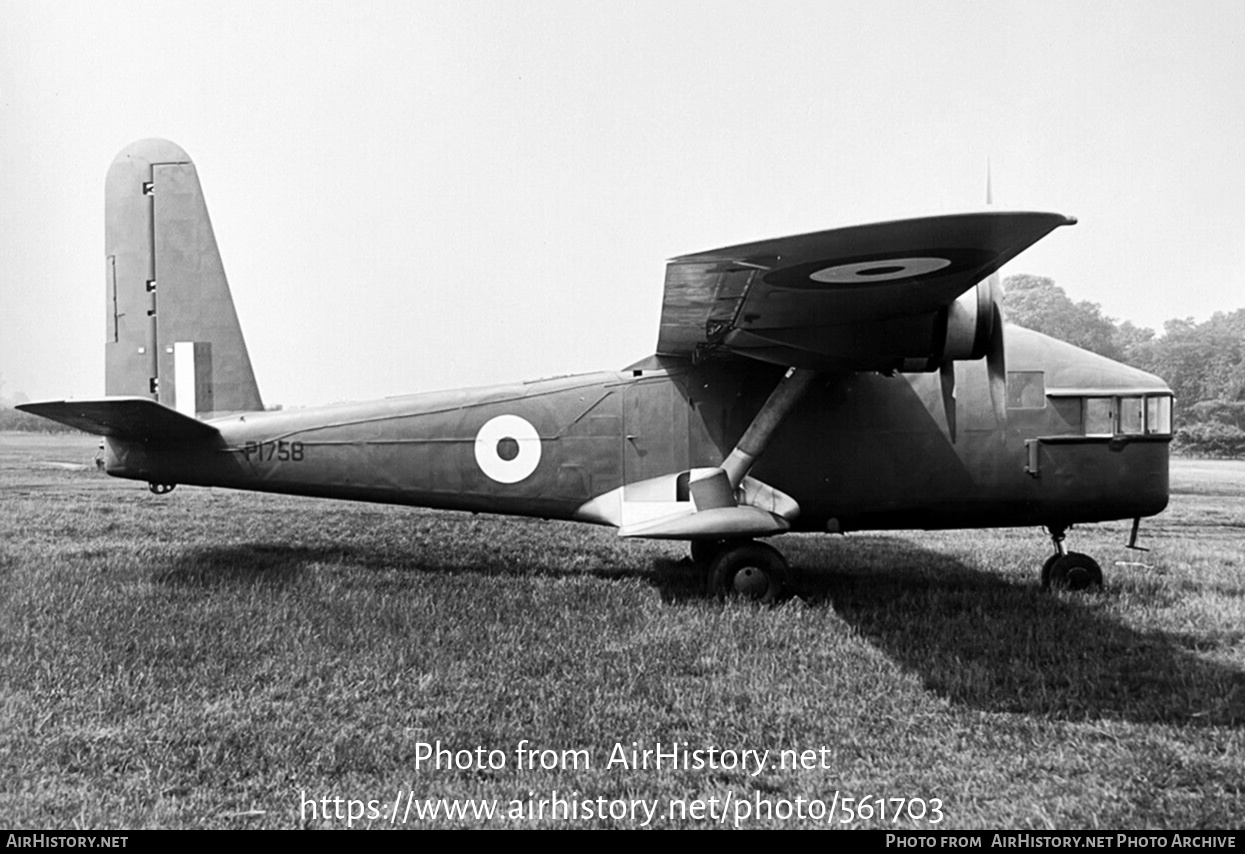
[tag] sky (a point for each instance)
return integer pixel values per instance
(411, 196)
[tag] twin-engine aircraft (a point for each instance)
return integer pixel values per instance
(854, 379)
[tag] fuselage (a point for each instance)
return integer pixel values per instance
(1085, 439)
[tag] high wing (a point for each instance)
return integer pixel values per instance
(872, 297)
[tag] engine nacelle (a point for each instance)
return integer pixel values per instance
(970, 324)
(965, 329)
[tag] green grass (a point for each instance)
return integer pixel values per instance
(204, 658)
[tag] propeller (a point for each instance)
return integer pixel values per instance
(987, 342)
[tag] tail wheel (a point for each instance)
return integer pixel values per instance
(1072, 571)
(754, 572)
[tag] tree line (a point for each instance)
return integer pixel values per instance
(1204, 363)
(12, 419)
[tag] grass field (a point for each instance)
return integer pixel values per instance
(217, 659)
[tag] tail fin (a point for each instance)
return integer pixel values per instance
(173, 334)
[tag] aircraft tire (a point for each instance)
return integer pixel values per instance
(1050, 561)
(754, 572)
(1072, 571)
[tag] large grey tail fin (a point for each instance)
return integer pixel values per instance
(173, 333)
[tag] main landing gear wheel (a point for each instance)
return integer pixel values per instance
(1065, 570)
(1071, 571)
(751, 571)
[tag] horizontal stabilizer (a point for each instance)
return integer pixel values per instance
(133, 418)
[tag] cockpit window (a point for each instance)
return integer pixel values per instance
(1129, 415)
(1132, 415)
(1159, 415)
(1099, 416)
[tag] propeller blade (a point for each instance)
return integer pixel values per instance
(996, 359)
(946, 374)
(996, 368)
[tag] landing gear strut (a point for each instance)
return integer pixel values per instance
(1065, 570)
(742, 569)
(736, 567)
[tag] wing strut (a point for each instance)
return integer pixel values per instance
(717, 489)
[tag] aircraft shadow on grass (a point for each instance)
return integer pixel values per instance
(245, 564)
(972, 636)
(985, 642)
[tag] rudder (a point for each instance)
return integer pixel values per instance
(173, 334)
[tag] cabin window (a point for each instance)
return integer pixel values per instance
(1131, 415)
(1026, 390)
